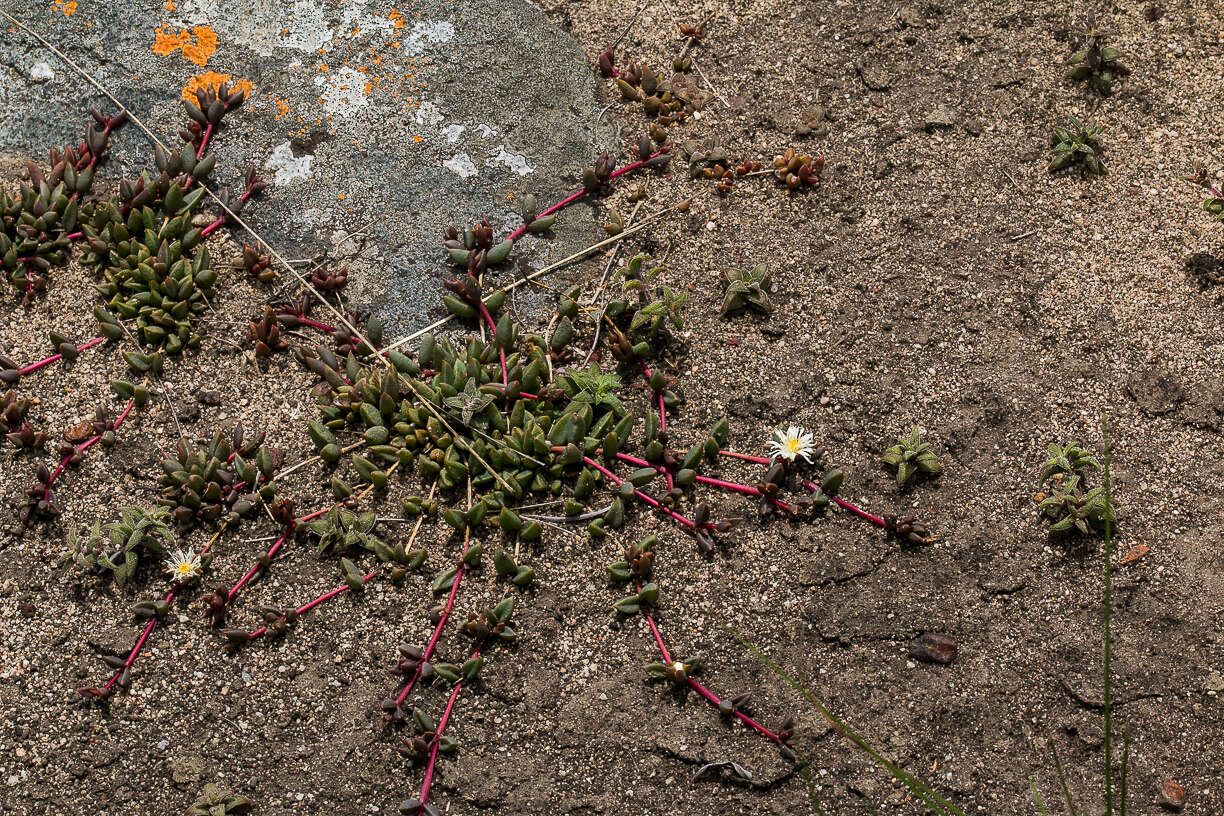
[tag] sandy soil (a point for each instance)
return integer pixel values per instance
(938, 277)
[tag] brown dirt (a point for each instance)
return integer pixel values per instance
(936, 278)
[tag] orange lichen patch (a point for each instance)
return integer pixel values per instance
(169, 5)
(66, 6)
(282, 107)
(213, 80)
(205, 45)
(396, 18)
(165, 43)
(198, 51)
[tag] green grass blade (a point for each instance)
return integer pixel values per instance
(1107, 614)
(1037, 797)
(932, 799)
(807, 778)
(1123, 772)
(1062, 780)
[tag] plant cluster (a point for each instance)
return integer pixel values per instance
(669, 100)
(117, 548)
(798, 169)
(1078, 144)
(911, 457)
(1094, 60)
(216, 802)
(220, 481)
(746, 288)
(1069, 505)
(38, 224)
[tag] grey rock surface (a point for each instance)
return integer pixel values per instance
(361, 118)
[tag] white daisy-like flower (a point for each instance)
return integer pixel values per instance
(184, 566)
(792, 442)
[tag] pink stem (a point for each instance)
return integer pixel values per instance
(204, 233)
(437, 632)
(735, 486)
(662, 407)
(702, 690)
(204, 141)
(32, 367)
(570, 199)
(522, 394)
(229, 596)
(760, 460)
(427, 781)
(306, 607)
(84, 446)
(140, 642)
(653, 502)
(75, 236)
(484, 312)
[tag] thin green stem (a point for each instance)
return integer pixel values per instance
(1037, 797)
(1062, 780)
(1107, 614)
(932, 799)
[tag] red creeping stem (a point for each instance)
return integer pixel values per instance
(148, 630)
(204, 233)
(653, 502)
(140, 642)
(522, 394)
(32, 367)
(204, 141)
(662, 407)
(86, 445)
(75, 236)
(501, 353)
(735, 486)
(306, 607)
(433, 639)
(710, 696)
(276, 545)
(570, 199)
(427, 781)
(810, 485)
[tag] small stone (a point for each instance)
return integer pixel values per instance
(941, 117)
(974, 126)
(875, 76)
(910, 17)
(932, 647)
(209, 397)
(1172, 796)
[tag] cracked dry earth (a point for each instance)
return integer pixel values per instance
(937, 277)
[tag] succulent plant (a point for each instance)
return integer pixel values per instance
(117, 547)
(38, 224)
(812, 122)
(1069, 507)
(668, 100)
(1078, 144)
(218, 481)
(1094, 59)
(1067, 459)
(746, 288)
(216, 802)
(13, 411)
(258, 265)
(911, 457)
(265, 335)
(798, 169)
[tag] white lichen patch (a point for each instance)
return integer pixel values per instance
(344, 91)
(514, 162)
(486, 131)
(287, 167)
(461, 165)
(428, 115)
(427, 33)
(453, 132)
(41, 71)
